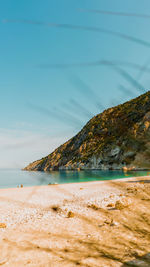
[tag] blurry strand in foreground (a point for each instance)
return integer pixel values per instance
(96, 63)
(83, 28)
(114, 13)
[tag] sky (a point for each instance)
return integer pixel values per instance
(62, 62)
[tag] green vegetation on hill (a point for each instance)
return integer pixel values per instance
(119, 137)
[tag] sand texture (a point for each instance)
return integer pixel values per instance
(95, 224)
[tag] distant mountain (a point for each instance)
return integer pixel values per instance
(115, 139)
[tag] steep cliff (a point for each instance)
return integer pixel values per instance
(118, 137)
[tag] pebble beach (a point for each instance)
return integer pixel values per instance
(104, 223)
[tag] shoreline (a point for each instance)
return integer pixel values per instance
(87, 223)
(77, 183)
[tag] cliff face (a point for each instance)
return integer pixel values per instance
(118, 137)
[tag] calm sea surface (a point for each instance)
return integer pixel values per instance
(13, 178)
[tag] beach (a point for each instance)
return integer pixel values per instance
(100, 224)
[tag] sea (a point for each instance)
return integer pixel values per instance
(11, 178)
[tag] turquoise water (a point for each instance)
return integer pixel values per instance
(13, 178)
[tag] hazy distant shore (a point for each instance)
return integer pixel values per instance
(102, 223)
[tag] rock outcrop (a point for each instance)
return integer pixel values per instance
(117, 138)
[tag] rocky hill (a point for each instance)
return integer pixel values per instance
(115, 139)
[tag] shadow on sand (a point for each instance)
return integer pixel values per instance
(139, 261)
(140, 181)
(119, 236)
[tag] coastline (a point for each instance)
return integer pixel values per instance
(77, 183)
(51, 225)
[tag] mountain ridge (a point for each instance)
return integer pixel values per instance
(117, 138)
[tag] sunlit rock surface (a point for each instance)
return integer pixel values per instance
(117, 138)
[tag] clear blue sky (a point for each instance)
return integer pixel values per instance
(31, 95)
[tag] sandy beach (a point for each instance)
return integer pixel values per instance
(98, 224)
